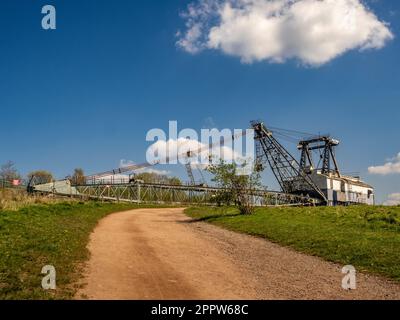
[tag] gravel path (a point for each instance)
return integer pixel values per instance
(163, 254)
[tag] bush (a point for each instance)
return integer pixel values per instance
(236, 187)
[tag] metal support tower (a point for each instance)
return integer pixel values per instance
(327, 145)
(189, 171)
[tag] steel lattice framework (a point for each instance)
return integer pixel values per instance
(174, 194)
(285, 167)
(327, 145)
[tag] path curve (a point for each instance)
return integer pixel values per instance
(162, 254)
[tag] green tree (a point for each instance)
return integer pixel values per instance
(235, 187)
(41, 176)
(152, 177)
(174, 181)
(9, 172)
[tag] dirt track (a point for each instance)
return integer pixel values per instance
(162, 254)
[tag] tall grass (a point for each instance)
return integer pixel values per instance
(15, 199)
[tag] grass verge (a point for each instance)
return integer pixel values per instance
(365, 237)
(47, 234)
(14, 199)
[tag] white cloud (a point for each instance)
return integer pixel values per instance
(156, 171)
(125, 163)
(201, 152)
(390, 167)
(312, 31)
(124, 178)
(393, 200)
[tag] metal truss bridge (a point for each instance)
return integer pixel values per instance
(165, 194)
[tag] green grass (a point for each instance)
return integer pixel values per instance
(365, 237)
(47, 234)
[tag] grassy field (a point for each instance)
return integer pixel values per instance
(365, 237)
(46, 234)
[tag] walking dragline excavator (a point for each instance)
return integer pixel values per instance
(324, 182)
(286, 169)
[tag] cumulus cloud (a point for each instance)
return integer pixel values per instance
(201, 155)
(311, 31)
(126, 163)
(390, 167)
(393, 200)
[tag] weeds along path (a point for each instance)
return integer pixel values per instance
(163, 254)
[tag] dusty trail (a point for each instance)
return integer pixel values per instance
(162, 254)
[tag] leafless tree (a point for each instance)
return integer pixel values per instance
(9, 172)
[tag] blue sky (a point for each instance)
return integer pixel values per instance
(86, 94)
